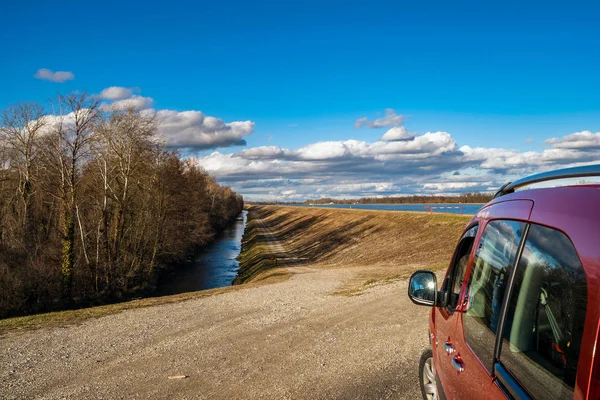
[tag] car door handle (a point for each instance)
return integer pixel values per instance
(458, 364)
(448, 347)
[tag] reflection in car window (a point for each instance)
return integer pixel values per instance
(545, 315)
(455, 277)
(496, 255)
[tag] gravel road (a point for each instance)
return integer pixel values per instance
(287, 340)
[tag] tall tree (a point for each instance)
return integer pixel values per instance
(72, 137)
(128, 140)
(20, 128)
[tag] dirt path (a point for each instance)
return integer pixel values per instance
(292, 339)
(274, 245)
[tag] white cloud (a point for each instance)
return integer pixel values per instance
(429, 144)
(361, 122)
(389, 119)
(54, 76)
(504, 159)
(452, 186)
(324, 151)
(122, 98)
(262, 152)
(118, 93)
(397, 133)
(136, 102)
(190, 130)
(193, 129)
(577, 140)
(431, 163)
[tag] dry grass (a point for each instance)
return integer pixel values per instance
(390, 244)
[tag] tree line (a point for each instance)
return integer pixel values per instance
(93, 206)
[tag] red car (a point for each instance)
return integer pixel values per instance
(517, 314)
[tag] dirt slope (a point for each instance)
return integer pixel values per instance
(388, 243)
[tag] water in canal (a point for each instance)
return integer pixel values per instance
(214, 267)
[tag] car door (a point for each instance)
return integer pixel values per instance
(472, 360)
(445, 315)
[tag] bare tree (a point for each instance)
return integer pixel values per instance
(72, 138)
(127, 143)
(20, 128)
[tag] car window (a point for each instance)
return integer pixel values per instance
(495, 257)
(454, 280)
(545, 315)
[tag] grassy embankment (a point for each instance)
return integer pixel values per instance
(382, 245)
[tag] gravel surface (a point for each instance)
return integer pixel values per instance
(288, 340)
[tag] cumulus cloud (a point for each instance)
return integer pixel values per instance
(397, 133)
(122, 98)
(262, 152)
(54, 76)
(503, 160)
(342, 168)
(389, 119)
(431, 163)
(118, 93)
(136, 102)
(194, 130)
(361, 122)
(445, 186)
(577, 140)
(189, 130)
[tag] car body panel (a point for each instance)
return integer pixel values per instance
(574, 210)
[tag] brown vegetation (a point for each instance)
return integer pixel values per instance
(391, 243)
(92, 206)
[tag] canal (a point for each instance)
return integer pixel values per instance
(214, 267)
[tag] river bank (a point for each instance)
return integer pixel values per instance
(336, 238)
(214, 267)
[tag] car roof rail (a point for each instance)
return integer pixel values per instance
(575, 172)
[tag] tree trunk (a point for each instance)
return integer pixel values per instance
(68, 255)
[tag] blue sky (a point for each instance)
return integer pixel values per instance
(493, 75)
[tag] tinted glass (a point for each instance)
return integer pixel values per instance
(461, 259)
(495, 257)
(545, 316)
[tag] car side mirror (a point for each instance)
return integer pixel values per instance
(422, 288)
